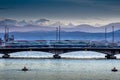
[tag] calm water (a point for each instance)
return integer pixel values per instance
(59, 69)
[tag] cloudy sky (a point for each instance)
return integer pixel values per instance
(93, 12)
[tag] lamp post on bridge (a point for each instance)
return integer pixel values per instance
(58, 37)
(105, 34)
(59, 32)
(56, 34)
(112, 53)
(113, 36)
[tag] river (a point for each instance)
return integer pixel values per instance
(59, 69)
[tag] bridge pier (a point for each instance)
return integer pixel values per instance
(108, 56)
(6, 56)
(56, 56)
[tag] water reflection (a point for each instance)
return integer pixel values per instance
(118, 56)
(83, 54)
(1, 55)
(35, 54)
(75, 55)
(59, 69)
(31, 54)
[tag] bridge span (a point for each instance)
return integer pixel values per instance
(110, 52)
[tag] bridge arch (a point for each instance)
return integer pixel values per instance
(110, 52)
(85, 50)
(30, 54)
(118, 56)
(83, 54)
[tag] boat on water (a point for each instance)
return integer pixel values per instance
(114, 70)
(24, 69)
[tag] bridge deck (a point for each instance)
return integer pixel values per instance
(61, 49)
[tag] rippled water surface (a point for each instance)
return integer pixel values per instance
(59, 69)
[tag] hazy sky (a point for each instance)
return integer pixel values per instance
(95, 12)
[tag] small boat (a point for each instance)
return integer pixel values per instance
(114, 70)
(24, 69)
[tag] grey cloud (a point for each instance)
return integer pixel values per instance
(42, 20)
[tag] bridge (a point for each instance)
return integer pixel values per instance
(110, 52)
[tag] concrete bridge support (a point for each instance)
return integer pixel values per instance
(56, 54)
(111, 55)
(108, 56)
(6, 56)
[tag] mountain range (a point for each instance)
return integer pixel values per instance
(51, 35)
(43, 29)
(47, 25)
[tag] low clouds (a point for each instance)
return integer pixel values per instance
(46, 25)
(42, 20)
(8, 22)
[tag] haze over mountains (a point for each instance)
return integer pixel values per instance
(47, 25)
(45, 29)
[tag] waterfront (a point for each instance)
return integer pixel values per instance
(59, 69)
